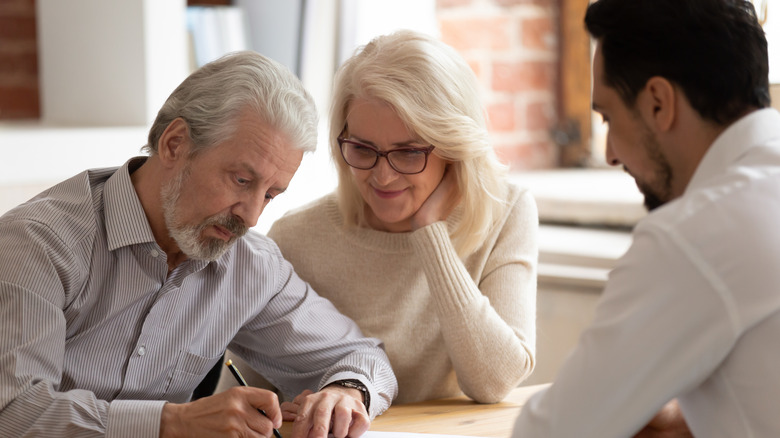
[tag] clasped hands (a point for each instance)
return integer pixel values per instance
(333, 410)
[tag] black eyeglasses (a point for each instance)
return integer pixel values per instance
(408, 161)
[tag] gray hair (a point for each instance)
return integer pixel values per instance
(211, 99)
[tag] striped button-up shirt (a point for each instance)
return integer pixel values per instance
(95, 335)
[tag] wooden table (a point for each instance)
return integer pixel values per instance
(452, 416)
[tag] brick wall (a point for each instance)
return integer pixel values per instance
(19, 98)
(512, 45)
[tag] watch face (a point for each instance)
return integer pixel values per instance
(352, 384)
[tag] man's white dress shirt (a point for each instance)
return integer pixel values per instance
(691, 311)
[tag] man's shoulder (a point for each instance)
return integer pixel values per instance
(256, 247)
(257, 255)
(742, 193)
(71, 203)
(62, 221)
(732, 214)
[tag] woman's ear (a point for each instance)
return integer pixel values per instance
(657, 103)
(174, 143)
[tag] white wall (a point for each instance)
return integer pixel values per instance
(768, 18)
(109, 62)
(362, 20)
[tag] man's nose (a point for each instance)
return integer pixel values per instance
(610, 155)
(249, 210)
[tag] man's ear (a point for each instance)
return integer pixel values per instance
(174, 143)
(658, 103)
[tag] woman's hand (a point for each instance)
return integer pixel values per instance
(440, 204)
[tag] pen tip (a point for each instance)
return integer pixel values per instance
(229, 362)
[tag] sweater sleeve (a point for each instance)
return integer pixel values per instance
(489, 326)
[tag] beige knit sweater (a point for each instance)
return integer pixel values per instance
(449, 326)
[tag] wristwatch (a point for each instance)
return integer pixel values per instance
(356, 384)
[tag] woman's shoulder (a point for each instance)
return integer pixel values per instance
(521, 210)
(519, 198)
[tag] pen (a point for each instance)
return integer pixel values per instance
(242, 382)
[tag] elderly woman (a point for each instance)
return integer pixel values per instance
(424, 243)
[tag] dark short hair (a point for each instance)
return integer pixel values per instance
(714, 50)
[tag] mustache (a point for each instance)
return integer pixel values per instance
(229, 222)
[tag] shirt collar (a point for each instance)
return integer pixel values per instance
(126, 222)
(757, 128)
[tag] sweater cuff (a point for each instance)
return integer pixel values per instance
(134, 418)
(449, 281)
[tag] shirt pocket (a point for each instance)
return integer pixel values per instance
(190, 370)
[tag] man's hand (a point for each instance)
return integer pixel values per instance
(334, 409)
(667, 423)
(440, 203)
(290, 409)
(233, 413)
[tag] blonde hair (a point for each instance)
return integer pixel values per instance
(435, 93)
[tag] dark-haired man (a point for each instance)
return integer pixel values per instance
(684, 340)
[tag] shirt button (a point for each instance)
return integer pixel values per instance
(154, 253)
(141, 350)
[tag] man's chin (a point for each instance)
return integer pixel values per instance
(652, 204)
(652, 200)
(211, 249)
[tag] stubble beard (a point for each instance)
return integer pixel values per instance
(659, 193)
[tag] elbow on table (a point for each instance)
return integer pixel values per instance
(494, 389)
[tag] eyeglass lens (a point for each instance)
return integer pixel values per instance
(401, 160)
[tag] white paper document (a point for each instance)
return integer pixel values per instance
(373, 434)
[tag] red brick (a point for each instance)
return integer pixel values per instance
(19, 64)
(502, 116)
(476, 67)
(17, 27)
(19, 103)
(514, 155)
(523, 76)
(527, 155)
(539, 116)
(539, 33)
(17, 8)
(476, 33)
(19, 92)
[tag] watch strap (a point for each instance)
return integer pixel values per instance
(356, 384)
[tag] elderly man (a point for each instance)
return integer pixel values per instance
(121, 288)
(689, 320)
